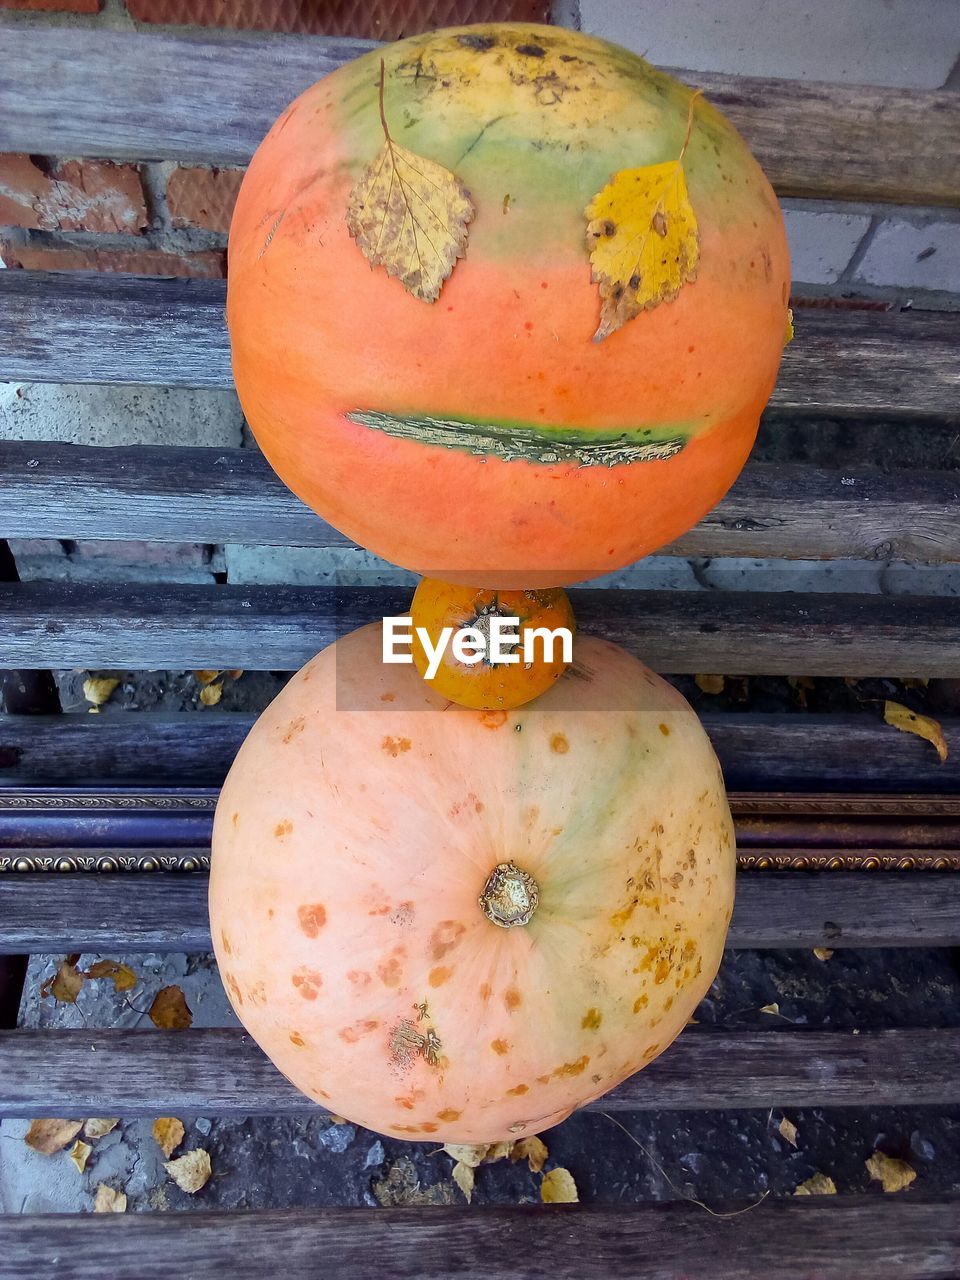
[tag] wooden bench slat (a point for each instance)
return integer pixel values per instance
(132, 626)
(218, 1072)
(885, 1238)
(168, 912)
(205, 98)
(66, 327)
(155, 493)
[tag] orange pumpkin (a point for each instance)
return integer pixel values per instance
(488, 685)
(458, 925)
(484, 437)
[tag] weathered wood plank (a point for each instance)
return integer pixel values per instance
(60, 624)
(885, 1238)
(757, 752)
(210, 98)
(215, 1072)
(55, 490)
(168, 912)
(126, 329)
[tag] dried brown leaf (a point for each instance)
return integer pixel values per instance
(109, 1201)
(822, 953)
(818, 1185)
(772, 1009)
(170, 1011)
(558, 1187)
(211, 694)
(497, 1151)
(464, 1177)
(205, 677)
(80, 1154)
(50, 1136)
(788, 1131)
(191, 1171)
(97, 689)
(98, 1128)
(709, 684)
(908, 721)
(122, 976)
(467, 1153)
(895, 1175)
(533, 1150)
(66, 983)
(168, 1133)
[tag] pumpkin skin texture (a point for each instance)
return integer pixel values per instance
(355, 834)
(485, 438)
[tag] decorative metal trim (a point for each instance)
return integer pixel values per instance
(140, 800)
(855, 860)
(107, 862)
(806, 805)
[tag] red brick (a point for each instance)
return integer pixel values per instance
(48, 6)
(203, 197)
(71, 195)
(372, 19)
(134, 262)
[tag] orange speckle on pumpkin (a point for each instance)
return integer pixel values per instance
(512, 998)
(270, 913)
(662, 970)
(388, 697)
(518, 1091)
(428, 1127)
(359, 977)
(493, 719)
(389, 972)
(664, 729)
(651, 1051)
(408, 1104)
(362, 1028)
(499, 1046)
(559, 744)
(668, 1002)
(312, 917)
(572, 1068)
(226, 943)
(308, 982)
(283, 828)
(445, 937)
(233, 986)
(395, 746)
(485, 991)
(297, 1039)
(383, 910)
(439, 976)
(235, 819)
(591, 1020)
(448, 1113)
(543, 1079)
(405, 1128)
(294, 727)
(641, 1002)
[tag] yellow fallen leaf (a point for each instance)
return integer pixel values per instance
(467, 1153)
(558, 1187)
(66, 983)
(643, 239)
(709, 684)
(902, 717)
(822, 953)
(168, 1133)
(533, 1150)
(109, 1201)
(205, 677)
(818, 1185)
(338, 1119)
(97, 689)
(895, 1175)
(236, 674)
(464, 1177)
(773, 1009)
(80, 1154)
(190, 1172)
(122, 975)
(98, 1128)
(788, 1131)
(790, 329)
(50, 1136)
(211, 694)
(497, 1151)
(409, 215)
(170, 1011)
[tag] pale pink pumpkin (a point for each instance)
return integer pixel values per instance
(357, 833)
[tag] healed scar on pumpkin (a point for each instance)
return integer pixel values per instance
(518, 443)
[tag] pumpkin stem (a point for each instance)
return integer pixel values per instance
(510, 896)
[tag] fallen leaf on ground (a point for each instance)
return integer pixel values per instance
(788, 1131)
(122, 975)
(788, 338)
(908, 721)
(205, 677)
(97, 689)
(822, 953)
(895, 1175)
(464, 1177)
(168, 1133)
(50, 1136)
(497, 1151)
(66, 983)
(170, 1011)
(473, 1155)
(709, 684)
(80, 1154)
(558, 1187)
(533, 1151)
(211, 694)
(190, 1172)
(773, 1009)
(236, 674)
(95, 1128)
(338, 1119)
(818, 1185)
(409, 215)
(109, 1201)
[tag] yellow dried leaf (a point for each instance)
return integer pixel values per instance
(709, 684)
(533, 1150)
(497, 1151)
(818, 1185)
(788, 338)
(409, 215)
(236, 674)
(205, 677)
(643, 239)
(168, 1133)
(464, 1177)
(50, 1136)
(97, 689)
(122, 975)
(788, 1131)
(773, 1009)
(822, 953)
(98, 1128)
(190, 1172)
(558, 1187)
(895, 1175)
(467, 1153)
(170, 1011)
(338, 1119)
(80, 1154)
(109, 1201)
(211, 694)
(902, 717)
(66, 983)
